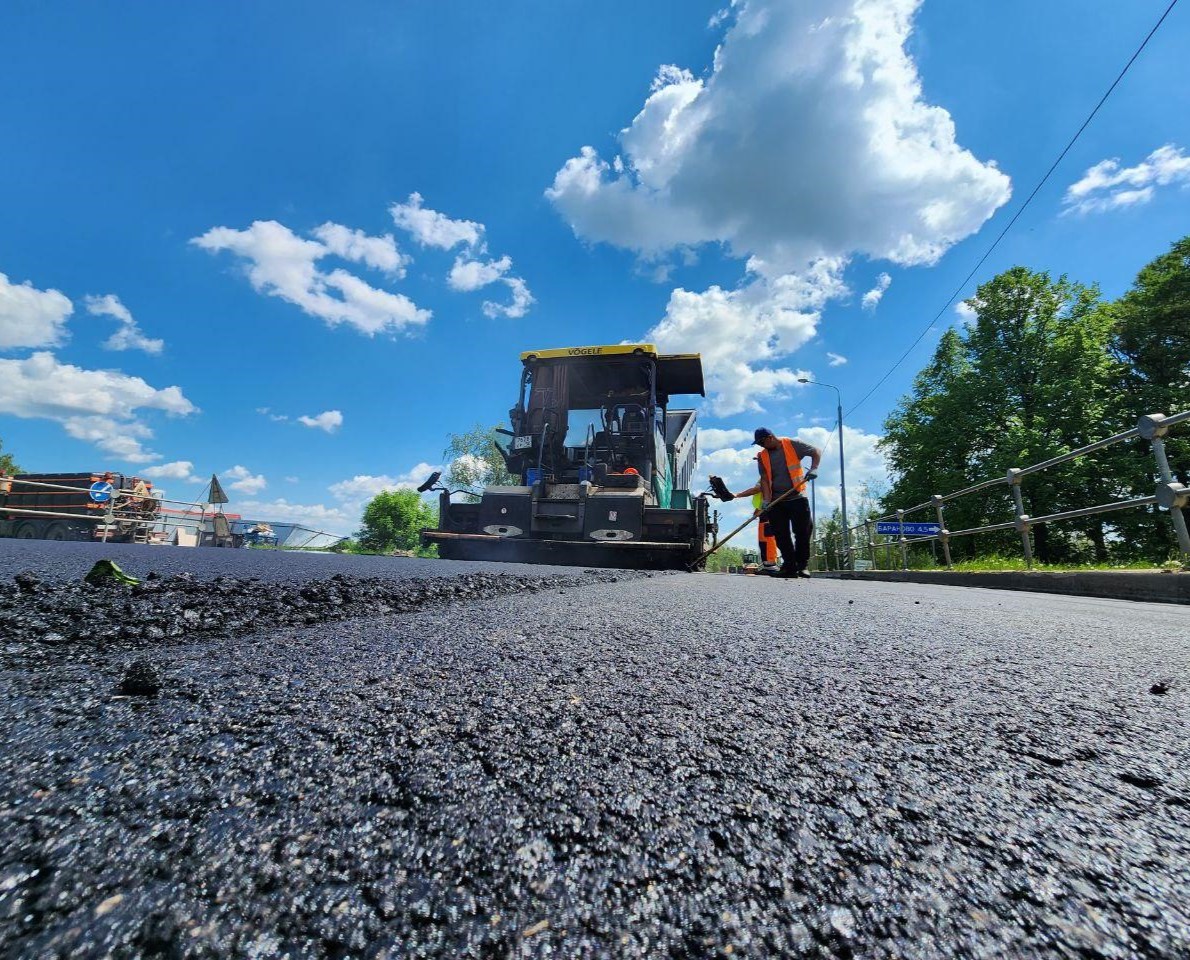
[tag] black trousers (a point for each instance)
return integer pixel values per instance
(792, 515)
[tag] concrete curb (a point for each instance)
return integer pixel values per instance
(1143, 585)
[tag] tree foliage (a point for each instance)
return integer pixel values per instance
(475, 462)
(394, 519)
(8, 466)
(725, 559)
(1046, 367)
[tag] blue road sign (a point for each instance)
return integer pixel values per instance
(101, 491)
(890, 528)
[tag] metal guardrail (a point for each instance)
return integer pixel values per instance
(123, 510)
(1169, 494)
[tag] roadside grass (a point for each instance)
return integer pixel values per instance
(996, 563)
(1018, 563)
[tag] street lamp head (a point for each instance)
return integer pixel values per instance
(804, 380)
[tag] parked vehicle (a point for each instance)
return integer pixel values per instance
(61, 506)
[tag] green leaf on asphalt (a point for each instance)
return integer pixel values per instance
(107, 570)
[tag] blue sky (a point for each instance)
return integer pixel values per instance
(739, 205)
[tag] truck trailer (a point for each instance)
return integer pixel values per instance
(602, 462)
(59, 506)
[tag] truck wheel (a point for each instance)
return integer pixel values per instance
(28, 530)
(58, 531)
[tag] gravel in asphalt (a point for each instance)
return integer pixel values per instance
(67, 561)
(678, 765)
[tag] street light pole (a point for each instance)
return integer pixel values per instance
(842, 468)
(814, 521)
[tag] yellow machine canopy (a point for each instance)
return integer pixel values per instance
(678, 373)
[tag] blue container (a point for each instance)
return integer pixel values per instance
(586, 473)
(532, 475)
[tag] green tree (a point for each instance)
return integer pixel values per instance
(394, 519)
(1029, 379)
(724, 558)
(474, 461)
(1151, 334)
(1151, 341)
(928, 439)
(8, 466)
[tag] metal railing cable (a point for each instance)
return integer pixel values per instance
(1016, 216)
(1169, 495)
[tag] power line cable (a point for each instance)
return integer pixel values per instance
(1016, 216)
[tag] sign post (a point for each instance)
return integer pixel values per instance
(102, 492)
(893, 528)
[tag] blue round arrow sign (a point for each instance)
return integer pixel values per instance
(101, 491)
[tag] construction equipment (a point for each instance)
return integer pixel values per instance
(603, 467)
(61, 506)
(258, 534)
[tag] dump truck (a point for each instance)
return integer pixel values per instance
(60, 506)
(603, 465)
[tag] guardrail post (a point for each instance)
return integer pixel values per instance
(1170, 494)
(904, 548)
(109, 515)
(1022, 519)
(943, 533)
(871, 544)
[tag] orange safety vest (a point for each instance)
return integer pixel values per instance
(792, 462)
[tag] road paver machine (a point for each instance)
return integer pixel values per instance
(603, 463)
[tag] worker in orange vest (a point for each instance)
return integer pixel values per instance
(780, 463)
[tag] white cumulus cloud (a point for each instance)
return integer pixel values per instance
(177, 470)
(807, 142)
(1108, 186)
(380, 253)
(104, 407)
(128, 335)
(469, 275)
(521, 301)
(244, 480)
(328, 420)
(741, 333)
(835, 359)
(876, 294)
(809, 138)
(433, 229)
(282, 264)
(714, 438)
(471, 271)
(30, 317)
(361, 488)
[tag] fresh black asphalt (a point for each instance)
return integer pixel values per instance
(71, 561)
(532, 762)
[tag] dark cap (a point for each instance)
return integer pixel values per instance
(760, 434)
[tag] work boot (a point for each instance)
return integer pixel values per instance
(787, 573)
(804, 574)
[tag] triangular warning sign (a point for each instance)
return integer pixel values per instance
(216, 494)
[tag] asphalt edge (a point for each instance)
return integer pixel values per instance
(1143, 586)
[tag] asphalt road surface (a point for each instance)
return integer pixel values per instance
(665, 766)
